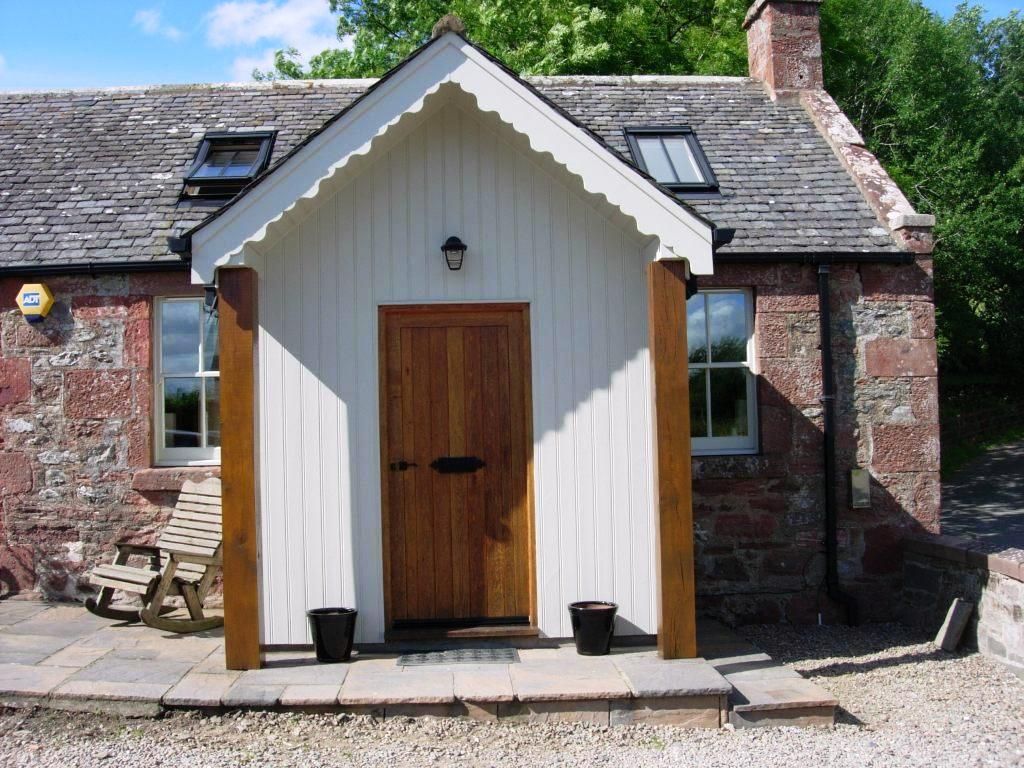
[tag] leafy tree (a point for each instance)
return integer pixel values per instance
(940, 102)
(942, 105)
(549, 37)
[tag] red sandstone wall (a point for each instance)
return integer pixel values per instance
(759, 519)
(75, 430)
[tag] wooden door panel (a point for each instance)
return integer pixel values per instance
(457, 546)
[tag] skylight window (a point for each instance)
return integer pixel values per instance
(673, 157)
(226, 162)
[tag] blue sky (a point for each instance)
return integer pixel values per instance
(94, 43)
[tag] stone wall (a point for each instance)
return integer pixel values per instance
(759, 519)
(75, 430)
(938, 569)
(75, 436)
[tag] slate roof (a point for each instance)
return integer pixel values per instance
(95, 176)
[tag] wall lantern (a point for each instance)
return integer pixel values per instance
(454, 251)
(35, 301)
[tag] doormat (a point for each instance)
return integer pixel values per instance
(460, 656)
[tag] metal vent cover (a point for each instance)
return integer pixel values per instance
(459, 656)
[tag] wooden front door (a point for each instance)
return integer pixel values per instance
(455, 453)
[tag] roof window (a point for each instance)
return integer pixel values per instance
(226, 162)
(673, 157)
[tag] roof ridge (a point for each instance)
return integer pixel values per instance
(366, 82)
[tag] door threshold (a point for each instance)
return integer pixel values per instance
(481, 631)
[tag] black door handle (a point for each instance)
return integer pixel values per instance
(402, 465)
(454, 465)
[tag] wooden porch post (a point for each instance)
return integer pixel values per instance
(237, 315)
(677, 621)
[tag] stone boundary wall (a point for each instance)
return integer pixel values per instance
(937, 569)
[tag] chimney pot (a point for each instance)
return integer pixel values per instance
(784, 45)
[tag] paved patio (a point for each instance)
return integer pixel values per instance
(62, 657)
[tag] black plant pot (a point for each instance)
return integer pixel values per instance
(593, 624)
(333, 630)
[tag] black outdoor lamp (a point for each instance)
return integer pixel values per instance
(454, 251)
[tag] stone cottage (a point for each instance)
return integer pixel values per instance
(497, 344)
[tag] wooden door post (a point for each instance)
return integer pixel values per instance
(673, 489)
(238, 324)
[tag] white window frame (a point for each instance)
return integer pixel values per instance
(178, 457)
(724, 446)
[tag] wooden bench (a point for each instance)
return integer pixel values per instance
(184, 562)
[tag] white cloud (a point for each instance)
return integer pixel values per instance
(151, 22)
(306, 25)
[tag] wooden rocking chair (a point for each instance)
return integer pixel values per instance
(185, 561)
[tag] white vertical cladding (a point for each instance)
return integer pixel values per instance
(533, 235)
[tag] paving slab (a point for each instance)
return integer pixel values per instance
(779, 693)
(30, 649)
(591, 711)
(75, 656)
(368, 686)
(59, 622)
(30, 679)
(684, 711)
(239, 695)
(13, 611)
(726, 664)
(182, 649)
(299, 671)
(802, 717)
(652, 677)
(125, 679)
(310, 695)
(568, 679)
(482, 683)
(198, 689)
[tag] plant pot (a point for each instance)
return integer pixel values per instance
(333, 630)
(593, 624)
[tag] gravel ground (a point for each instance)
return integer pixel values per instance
(906, 704)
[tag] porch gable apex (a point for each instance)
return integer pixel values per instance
(293, 185)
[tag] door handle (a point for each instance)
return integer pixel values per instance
(456, 465)
(402, 465)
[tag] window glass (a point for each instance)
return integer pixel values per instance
(696, 329)
(727, 315)
(656, 159)
(211, 358)
(181, 413)
(728, 402)
(213, 412)
(698, 403)
(227, 162)
(673, 157)
(188, 384)
(722, 386)
(683, 161)
(179, 336)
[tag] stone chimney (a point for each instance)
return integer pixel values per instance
(784, 45)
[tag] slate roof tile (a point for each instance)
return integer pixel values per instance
(94, 176)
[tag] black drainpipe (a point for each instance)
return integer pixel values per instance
(828, 405)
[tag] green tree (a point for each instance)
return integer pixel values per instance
(940, 102)
(549, 37)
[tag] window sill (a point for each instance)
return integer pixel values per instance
(171, 478)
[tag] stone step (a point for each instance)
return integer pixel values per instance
(779, 701)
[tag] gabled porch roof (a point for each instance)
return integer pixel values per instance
(294, 183)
